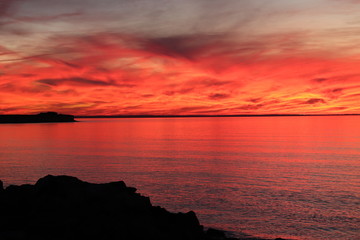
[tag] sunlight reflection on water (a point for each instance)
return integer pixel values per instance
(268, 176)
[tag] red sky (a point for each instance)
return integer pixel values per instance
(90, 57)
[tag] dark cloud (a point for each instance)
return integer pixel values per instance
(5, 6)
(26, 75)
(189, 110)
(8, 110)
(333, 93)
(254, 100)
(320, 80)
(315, 101)
(66, 107)
(210, 82)
(337, 108)
(131, 107)
(336, 90)
(147, 95)
(179, 91)
(8, 9)
(78, 81)
(183, 46)
(67, 92)
(250, 107)
(218, 96)
(219, 48)
(48, 18)
(169, 93)
(217, 111)
(62, 62)
(10, 87)
(33, 89)
(341, 78)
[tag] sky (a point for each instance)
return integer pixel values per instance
(180, 57)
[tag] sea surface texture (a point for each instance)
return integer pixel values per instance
(291, 177)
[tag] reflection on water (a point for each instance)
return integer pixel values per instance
(268, 176)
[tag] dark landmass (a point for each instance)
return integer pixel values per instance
(189, 116)
(64, 207)
(38, 118)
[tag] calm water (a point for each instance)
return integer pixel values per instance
(294, 177)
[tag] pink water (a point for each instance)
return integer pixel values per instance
(291, 177)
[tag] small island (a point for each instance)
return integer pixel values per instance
(64, 207)
(45, 117)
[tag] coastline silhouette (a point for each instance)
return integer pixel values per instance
(38, 118)
(64, 207)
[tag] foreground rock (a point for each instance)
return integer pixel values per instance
(64, 207)
(38, 118)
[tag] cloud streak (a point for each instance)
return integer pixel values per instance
(75, 81)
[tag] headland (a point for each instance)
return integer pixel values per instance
(64, 207)
(38, 118)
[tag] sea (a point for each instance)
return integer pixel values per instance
(295, 177)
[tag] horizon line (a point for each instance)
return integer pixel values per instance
(213, 115)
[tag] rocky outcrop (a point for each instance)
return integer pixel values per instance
(39, 118)
(64, 207)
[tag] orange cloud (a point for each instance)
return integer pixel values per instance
(136, 75)
(112, 72)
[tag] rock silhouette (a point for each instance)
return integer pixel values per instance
(38, 118)
(64, 207)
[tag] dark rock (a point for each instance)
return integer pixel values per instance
(215, 234)
(64, 207)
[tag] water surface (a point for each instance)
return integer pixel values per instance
(296, 177)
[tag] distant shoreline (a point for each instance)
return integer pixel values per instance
(47, 117)
(202, 116)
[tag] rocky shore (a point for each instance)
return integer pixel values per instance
(64, 207)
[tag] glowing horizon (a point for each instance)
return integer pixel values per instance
(161, 57)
